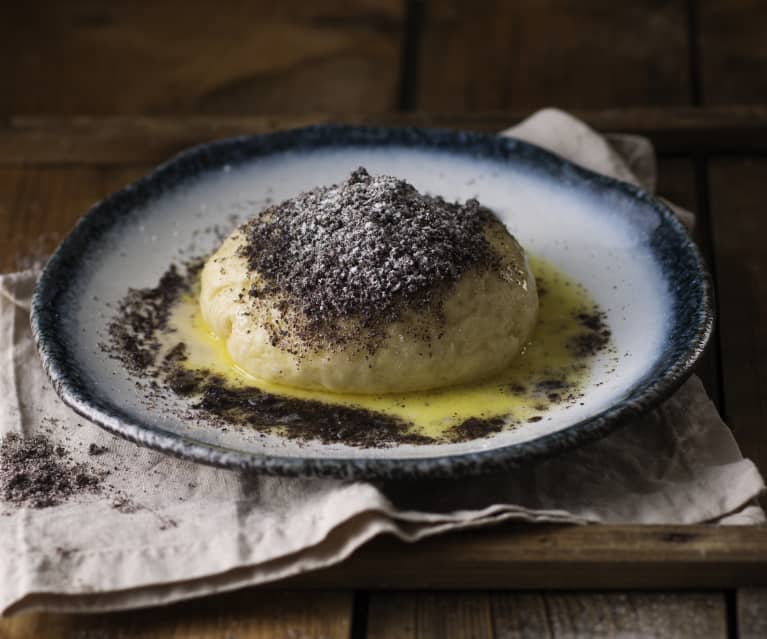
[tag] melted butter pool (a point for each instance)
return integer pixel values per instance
(550, 370)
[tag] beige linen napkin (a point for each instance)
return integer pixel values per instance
(196, 530)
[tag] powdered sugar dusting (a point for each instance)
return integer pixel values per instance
(364, 249)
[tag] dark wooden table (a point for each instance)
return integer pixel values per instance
(94, 95)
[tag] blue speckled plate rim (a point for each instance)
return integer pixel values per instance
(647, 393)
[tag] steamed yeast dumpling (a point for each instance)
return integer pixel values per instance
(369, 286)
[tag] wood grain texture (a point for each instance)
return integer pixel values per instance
(733, 51)
(127, 140)
(739, 224)
(423, 615)
(677, 183)
(530, 615)
(558, 557)
(247, 614)
(751, 610)
(571, 53)
(38, 206)
(175, 56)
(606, 615)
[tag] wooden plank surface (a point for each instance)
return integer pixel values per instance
(38, 206)
(423, 615)
(572, 53)
(739, 222)
(177, 56)
(126, 140)
(294, 56)
(733, 51)
(247, 614)
(677, 183)
(529, 615)
(558, 557)
(751, 611)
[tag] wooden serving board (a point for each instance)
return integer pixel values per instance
(712, 161)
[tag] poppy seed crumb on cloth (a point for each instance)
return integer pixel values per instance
(364, 249)
(35, 473)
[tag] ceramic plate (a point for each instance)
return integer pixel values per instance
(625, 247)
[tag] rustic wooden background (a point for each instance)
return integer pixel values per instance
(375, 56)
(93, 94)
